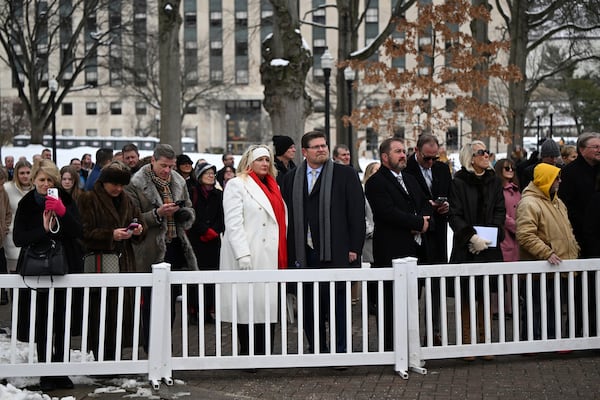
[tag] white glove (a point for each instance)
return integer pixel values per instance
(245, 262)
(478, 244)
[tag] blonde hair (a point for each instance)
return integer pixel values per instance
(466, 155)
(370, 170)
(246, 161)
(47, 167)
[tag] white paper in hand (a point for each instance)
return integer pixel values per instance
(489, 233)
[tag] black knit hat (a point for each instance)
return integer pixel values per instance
(116, 172)
(282, 144)
(550, 149)
(202, 168)
(183, 159)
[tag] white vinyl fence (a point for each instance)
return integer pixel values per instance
(191, 344)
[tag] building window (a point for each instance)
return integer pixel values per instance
(91, 108)
(139, 132)
(241, 77)
(372, 15)
(191, 109)
(190, 132)
(67, 108)
(140, 108)
(115, 108)
(116, 132)
(216, 76)
(91, 132)
(67, 132)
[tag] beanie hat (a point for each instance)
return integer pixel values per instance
(202, 168)
(550, 149)
(183, 159)
(116, 172)
(282, 144)
(544, 176)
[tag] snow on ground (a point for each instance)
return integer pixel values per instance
(15, 387)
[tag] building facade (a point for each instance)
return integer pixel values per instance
(221, 55)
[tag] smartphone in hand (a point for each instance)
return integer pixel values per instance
(180, 203)
(52, 192)
(441, 200)
(132, 226)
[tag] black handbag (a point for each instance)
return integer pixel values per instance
(43, 259)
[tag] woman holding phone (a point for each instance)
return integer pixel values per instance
(47, 213)
(110, 224)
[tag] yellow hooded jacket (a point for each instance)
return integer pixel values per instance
(543, 225)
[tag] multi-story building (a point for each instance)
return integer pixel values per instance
(221, 56)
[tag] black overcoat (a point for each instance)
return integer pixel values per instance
(576, 190)
(347, 215)
(475, 201)
(209, 214)
(29, 229)
(437, 236)
(396, 215)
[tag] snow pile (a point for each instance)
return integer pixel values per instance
(14, 388)
(279, 62)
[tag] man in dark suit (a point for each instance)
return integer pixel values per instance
(326, 229)
(434, 178)
(401, 214)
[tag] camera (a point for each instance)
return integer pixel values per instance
(180, 203)
(441, 200)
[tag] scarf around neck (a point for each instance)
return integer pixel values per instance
(271, 190)
(326, 178)
(164, 188)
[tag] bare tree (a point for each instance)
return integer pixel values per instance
(44, 40)
(13, 120)
(532, 25)
(286, 62)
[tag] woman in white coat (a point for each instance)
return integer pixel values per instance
(255, 238)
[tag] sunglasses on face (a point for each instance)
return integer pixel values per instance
(508, 168)
(481, 152)
(433, 158)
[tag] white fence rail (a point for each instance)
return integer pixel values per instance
(184, 343)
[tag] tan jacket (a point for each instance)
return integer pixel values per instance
(543, 227)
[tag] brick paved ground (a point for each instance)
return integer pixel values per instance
(549, 376)
(544, 376)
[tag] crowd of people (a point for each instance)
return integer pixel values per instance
(270, 213)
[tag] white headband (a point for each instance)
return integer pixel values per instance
(260, 152)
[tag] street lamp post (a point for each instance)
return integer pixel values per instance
(551, 112)
(157, 121)
(53, 86)
(327, 65)
(538, 116)
(461, 116)
(349, 76)
(417, 111)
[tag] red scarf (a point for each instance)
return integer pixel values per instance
(271, 190)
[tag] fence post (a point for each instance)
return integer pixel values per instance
(401, 322)
(415, 361)
(159, 349)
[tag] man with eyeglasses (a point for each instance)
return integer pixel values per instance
(578, 185)
(326, 229)
(434, 178)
